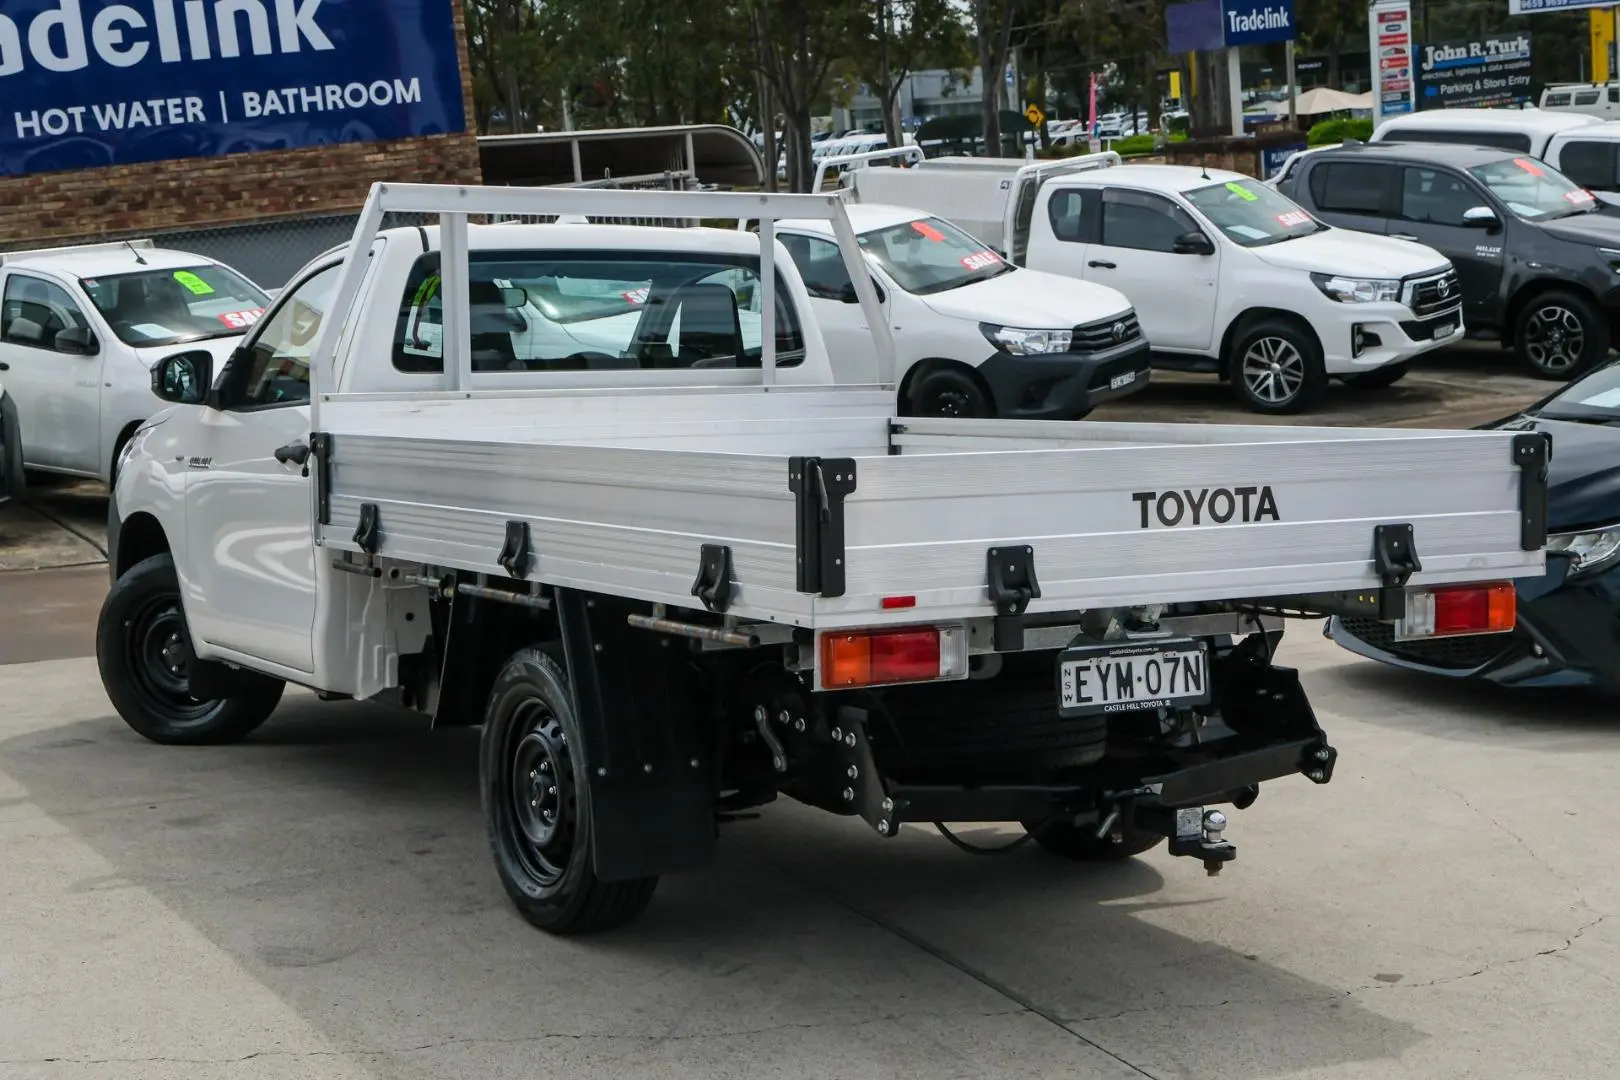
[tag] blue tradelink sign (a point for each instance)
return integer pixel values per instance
(1257, 22)
(91, 83)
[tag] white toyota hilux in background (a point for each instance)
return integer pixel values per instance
(81, 327)
(1227, 275)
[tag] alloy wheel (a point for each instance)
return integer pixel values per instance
(1554, 339)
(1273, 370)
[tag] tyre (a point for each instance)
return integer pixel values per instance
(1560, 335)
(1081, 844)
(537, 804)
(1276, 367)
(144, 648)
(1377, 378)
(948, 392)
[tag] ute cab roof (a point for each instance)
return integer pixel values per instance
(99, 260)
(1167, 179)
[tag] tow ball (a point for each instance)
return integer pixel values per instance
(1193, 831)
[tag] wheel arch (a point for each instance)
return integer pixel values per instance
(1247, 318)
(1537, 287)
(140, 536)
(929, 365)
(124, 435)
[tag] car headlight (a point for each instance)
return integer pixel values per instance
(1353, 290)
(1587, 551)
(1020, 342)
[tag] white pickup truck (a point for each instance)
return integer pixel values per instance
(1227, 275)
(81, 327)
(676, 579)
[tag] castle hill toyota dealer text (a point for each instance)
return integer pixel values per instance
(228, 76)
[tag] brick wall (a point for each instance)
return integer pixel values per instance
(47, 208)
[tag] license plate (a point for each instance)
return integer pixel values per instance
(1119, 381)
(1444, 330)
(1122, 678)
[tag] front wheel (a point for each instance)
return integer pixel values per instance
(143, 648)
(1082, 844)
(537, 804)
(948, 392)
(1560, 335)
(1277, 367)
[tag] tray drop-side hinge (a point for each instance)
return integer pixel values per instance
(1532, 451)
(514, 556)
(714, 585)
(1010, 575)
(1395, 560)
(320, 447)
(819, 486)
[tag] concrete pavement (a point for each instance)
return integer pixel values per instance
(318, 902)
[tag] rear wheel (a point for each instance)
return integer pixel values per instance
(948, 392)
(1560, 335)
(1081, 844)
(1377, 378)
(143, 648)
(1277, 367)
(537, 804)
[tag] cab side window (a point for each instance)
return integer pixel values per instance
(1133, 219)
(1067, 211)
(1436, 198)
(1349, 187)
(276, 371)
(34, 311)
(820, 265)
(1591, 163)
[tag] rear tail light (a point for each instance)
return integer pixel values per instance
(1454, 610)
(905, 654)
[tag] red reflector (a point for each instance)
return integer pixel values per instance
(891, 603)
(1473, 609)
(871, 657)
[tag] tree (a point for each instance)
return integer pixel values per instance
(795, 44)
(902, 36)
(992, 27)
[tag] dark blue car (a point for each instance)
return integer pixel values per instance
(1568, 629)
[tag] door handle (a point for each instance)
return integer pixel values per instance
(1403, 236)
(1100, 264)
(296, 453)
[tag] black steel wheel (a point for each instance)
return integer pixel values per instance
(1560, 335)
(537, 805)
(1082, 845)
(947, 392)
(143, 649)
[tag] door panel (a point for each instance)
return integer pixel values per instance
(57, 393)
(850, 347)
(250, 517)
(1356, 195)
(1135, 256)
(1431, 212)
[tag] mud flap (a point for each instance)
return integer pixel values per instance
(652, 802)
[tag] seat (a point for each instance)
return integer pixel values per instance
(490, 325)
(710, 327)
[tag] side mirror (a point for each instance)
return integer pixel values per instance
(849, 296)
(1193, 243)
(514, 298)
(183, 378)
(77, 341)
(1480, 217)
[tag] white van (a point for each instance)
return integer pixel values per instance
(1593, 99)
(1527, 131)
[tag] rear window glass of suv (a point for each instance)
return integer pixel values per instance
(1501, 140)
(1590, 163)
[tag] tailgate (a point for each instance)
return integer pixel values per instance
(1140, 514)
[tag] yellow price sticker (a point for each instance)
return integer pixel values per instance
(1241, 192)
(196, 285)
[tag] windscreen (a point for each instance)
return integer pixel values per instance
(931, 255)
(1596, 398)
(1533, 189)
(1250, 214)
(166, 307)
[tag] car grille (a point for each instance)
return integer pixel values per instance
(1423, 329)
(1097, 336)
(1453, 653)
(1431, 295)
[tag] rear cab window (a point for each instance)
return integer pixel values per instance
(1591, 163)
(547, 311)
(1360, 188)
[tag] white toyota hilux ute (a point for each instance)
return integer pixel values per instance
(1228, 276)
(81, 327)
(674, 574)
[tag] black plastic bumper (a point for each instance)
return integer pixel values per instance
(1064, 386)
